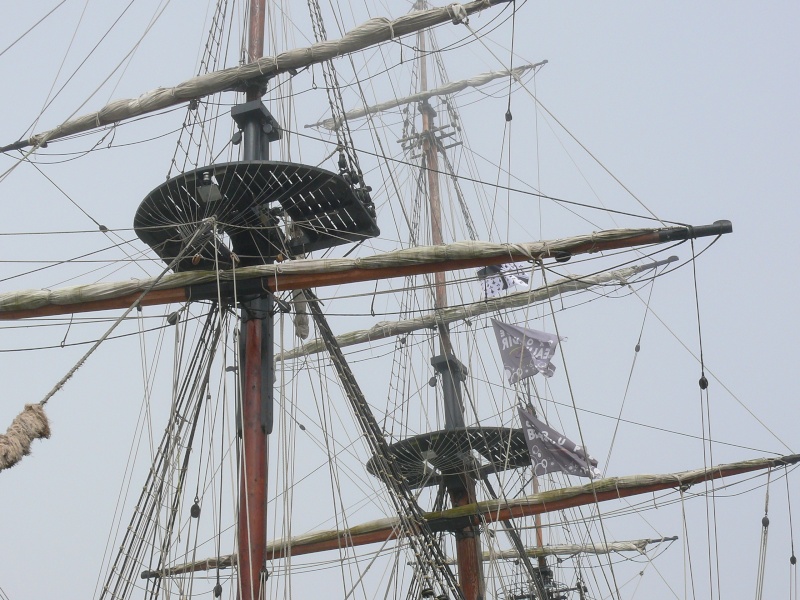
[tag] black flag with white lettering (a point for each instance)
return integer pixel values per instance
(551, 451)
(525, 352)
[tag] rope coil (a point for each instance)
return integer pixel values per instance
(31, 424)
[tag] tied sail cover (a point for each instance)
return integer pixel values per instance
(525, 352)
(499, 278)
(551, 451)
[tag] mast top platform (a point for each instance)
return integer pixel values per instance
(265, 210)
(426, 459)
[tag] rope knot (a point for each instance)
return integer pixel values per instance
(458, 14)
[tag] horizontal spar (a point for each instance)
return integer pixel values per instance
(571, 549)
(490, 511)
(447, 89)
(229, 560)
(373, 32)
(312, 273)
(445, 316)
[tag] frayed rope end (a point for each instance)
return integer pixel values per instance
(29, 425)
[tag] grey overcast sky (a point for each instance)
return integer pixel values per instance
(692, 105)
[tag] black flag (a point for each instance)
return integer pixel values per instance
(525, 352)
(551, 451)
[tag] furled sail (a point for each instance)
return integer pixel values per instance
(445, 316)
(490, 511)
(301, 274)
(370, 33)
(228, 561)
(572, 549)
(449, 88)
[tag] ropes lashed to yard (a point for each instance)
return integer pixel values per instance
(385, 329)
(373, 32)
(482, 252)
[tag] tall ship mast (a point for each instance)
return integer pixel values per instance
(358, 309)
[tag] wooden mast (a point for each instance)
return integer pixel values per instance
(430, 152)
(256, 347)
(461, 489)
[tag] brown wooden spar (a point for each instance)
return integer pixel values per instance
(490, 511)
(431, 154)
(302, 274)
(554, 500)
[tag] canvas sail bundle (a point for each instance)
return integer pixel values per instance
(370, 33)
(451, 314)
(278, 548)
(449, 254)
(449, 88)
(639, 546)
(490, 511)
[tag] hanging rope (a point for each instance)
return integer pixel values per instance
(31, 424)
(762, 551)
(792, 558)
(708, 452)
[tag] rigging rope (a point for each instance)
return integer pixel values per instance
(145, 522)
(705, 417)
(425, 546)
(32, 27)
(762, 551)
(31, 423)
(348, 161)
(193, 119)
(636, 350)
(792, 558)
(580, 431)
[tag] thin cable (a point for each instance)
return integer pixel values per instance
(580, 433)
(32, 27)
(585, 149)
(762, 551)
(630, 377)
(792, 557)
(204, 226)
(511, 60)
(717, 379)
(502, 187)
(706, 418)
(697, 310)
